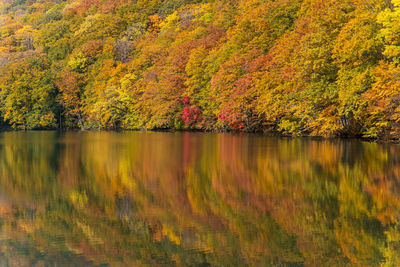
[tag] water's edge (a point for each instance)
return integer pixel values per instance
(269, 133)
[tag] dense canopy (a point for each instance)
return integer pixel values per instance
(300, 67)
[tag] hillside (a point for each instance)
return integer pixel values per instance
(311, 67)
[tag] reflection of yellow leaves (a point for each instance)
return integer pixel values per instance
(358, 245)
(28, 227)
(73, 249)
(127, 181)
(392, 250)
(264, 196)
(196, 193)
(79, 199)
(170, 233)
(89, 233)
(4, 209)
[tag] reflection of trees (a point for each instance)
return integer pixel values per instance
(151, 198)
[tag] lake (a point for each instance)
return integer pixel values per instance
(196, 199)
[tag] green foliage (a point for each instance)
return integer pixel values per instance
(28, 95)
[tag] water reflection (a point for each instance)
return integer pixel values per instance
(193, 199)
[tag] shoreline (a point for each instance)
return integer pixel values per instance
(171, 130)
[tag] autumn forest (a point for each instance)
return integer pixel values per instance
(297, 67)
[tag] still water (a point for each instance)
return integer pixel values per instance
(195, 199)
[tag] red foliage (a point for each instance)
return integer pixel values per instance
(84, 6)
(186, 100)
(190, 113)
(232, 119)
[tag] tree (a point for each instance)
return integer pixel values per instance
(27, 93)
(70, 87)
